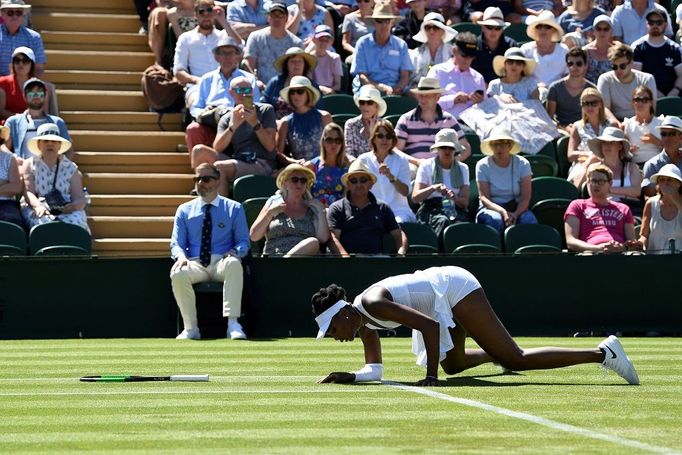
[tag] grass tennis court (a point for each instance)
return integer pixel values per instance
(262, 398)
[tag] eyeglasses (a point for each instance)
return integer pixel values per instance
(381, 21)
(14, 12)
(204, 178)
(492, 27)
(544, 27)
(431, 28)
(639, 99)
(503, 143)
(598, 182)
(204, 10)
(40, 94)
(356, 180)
(669, 133)
(365, 102)
(577, 63)
(22, 61)
(592, 103)
(622, 66)
(333, 140)
(384, 136)
(297, 179)
(243, 90)
(602, 29)
(656, 22)
(297, 91)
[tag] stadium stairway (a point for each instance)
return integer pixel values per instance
(136, 173)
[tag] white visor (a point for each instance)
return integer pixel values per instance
(324, 319)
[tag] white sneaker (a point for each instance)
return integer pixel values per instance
(235, 331)
(617, 360)
(192, 334)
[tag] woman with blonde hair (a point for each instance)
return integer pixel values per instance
(330, 165)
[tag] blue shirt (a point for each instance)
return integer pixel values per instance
(239, 11)
(230, 231)
(629, 25)
(214, 90)
(381, 64)
(23, 37)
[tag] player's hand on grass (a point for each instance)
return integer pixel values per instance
(338, 377)
(428, 381)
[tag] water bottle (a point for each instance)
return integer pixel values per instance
(87, 197)
(449, 208)
(671, 246)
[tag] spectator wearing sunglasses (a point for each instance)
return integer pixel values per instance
(436, 47)
(358, 129)
(515, 84)
(658, 55)
(292, 221)
(411, 24)
(671, 137)
(491, 42)
(210, 237)
(294, 62)
(13, 33)
(329, 166)
(618, 85)
(546, 49)
(640, 129)
(12, 99)
(629, 20)
(598, 49)
(359, 222)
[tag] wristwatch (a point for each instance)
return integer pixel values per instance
(257, 126)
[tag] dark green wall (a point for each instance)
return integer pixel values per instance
(533, 295)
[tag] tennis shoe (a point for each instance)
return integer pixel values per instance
(191, 334)
(616, 360)
(235, 331)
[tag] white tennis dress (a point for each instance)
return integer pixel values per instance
(433, 292)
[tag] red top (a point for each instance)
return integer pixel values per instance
(14, 97)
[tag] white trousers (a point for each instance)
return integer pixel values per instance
(228, 270)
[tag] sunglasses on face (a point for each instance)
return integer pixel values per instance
(297, 91)
(544, 27)
(621, 66)
(668, 133)
(655, 22)
(14, 12)
(204, 178)
(204, 10)
(603, 29)
(385, 136)
(19, 60)
(243, 90)
(639, 99)
(365, 102)
(296, 179)
(593, 103)
(501, 143)
(356, 180)
(577, 64)
(516, 62)
(381, 21)
(35, 95)
(333, 140)
(431, 28)
(492, 27)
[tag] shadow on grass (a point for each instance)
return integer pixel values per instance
(480, 381)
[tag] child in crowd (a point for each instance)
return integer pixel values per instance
(328, 72)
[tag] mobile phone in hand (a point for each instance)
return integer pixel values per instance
(248, 102)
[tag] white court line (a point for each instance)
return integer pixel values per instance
(534, 419)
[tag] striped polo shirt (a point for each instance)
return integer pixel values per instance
(418, 135)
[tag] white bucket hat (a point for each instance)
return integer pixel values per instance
(301, 82)
(370, 93)
(546, 18)
(499, 133)
(669, 170)
(437, 20)
(513, 53)
(610, 134)
(493, 16)
(47, 132)
(671, 122)
(448, 138)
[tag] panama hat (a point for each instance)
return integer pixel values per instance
(301, 82)
(295, 167)
(427, 86)
(371, 93)
(448, 138)
(513, 53)
(291, 52)
(671, 122)
(546, 18)
(435, 19)
(228, 41)
(493, 16)
(48, 132)
(610, 134)
(499, 133)
(669, 170)
(383, 11)
(357, 167)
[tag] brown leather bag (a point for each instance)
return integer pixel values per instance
(161, 90)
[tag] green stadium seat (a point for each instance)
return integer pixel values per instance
(58, 238)
(562, 156)
(471, 163)
(548, 150)
(473, 196)
(669, 105)
(250, 186)
(341, 119)
(474, 142)
(532, 238)
(542, 165)
(517, 32)
(467, 27)
(12, 240)
(252, 208)
(393, 119)
(340, 103)
(552, 187)
(471, 238)
(399, 104)
(420, 237)
(551, 212)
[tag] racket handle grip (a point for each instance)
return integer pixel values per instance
(190, 377)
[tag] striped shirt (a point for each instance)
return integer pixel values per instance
(418, 135)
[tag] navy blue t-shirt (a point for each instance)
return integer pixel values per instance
(659, 61)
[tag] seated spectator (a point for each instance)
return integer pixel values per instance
(11, 185)
(359, 222)
(392, 170)
(462, 85)
(412, 22)
(214, 96)
(54, 185)
(629, 20)
(210, 237)
(294, 62)
(503, 180)
(304, 16)
(671, 138)
(328, 72)
(382, 59)
(613, 149)
(245, 143)
(442, 185)
(436, 47)
(358, 129)
(474, 10)
(515, 83)
(546, 49)
(265, 46)
(579, 16)
(640, 129)
(598, 61)
(598, 224)
(417, 128)
(182, 18)
(356, 25)
(451, 10)
(299, 133)
(329, 166)
(563, 97)
(292, 221)
(491, 42)
(618, 85)
(12, 99)
(23, 126)
(658, 55)
(592, 124)
(14, 33)
(247, 16)
(661, 231)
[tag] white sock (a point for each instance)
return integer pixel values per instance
(232, 320)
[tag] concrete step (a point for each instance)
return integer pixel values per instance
(95, 41)
(92, 6)
(138, 183)
(97, 100)
(95, 80)
(131, 226)
(127, 141)
(98, 60)
(85, 22)
(136, 205)
(121, 121)
(135, 162)
(133, 247)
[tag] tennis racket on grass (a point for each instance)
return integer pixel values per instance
(127, 378)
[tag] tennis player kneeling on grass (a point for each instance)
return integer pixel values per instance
(442, 305)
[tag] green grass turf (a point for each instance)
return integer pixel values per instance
(262, 398)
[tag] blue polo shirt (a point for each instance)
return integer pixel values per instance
(239, 11)
(381, 63)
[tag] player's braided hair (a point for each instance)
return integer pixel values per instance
(326, 297)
